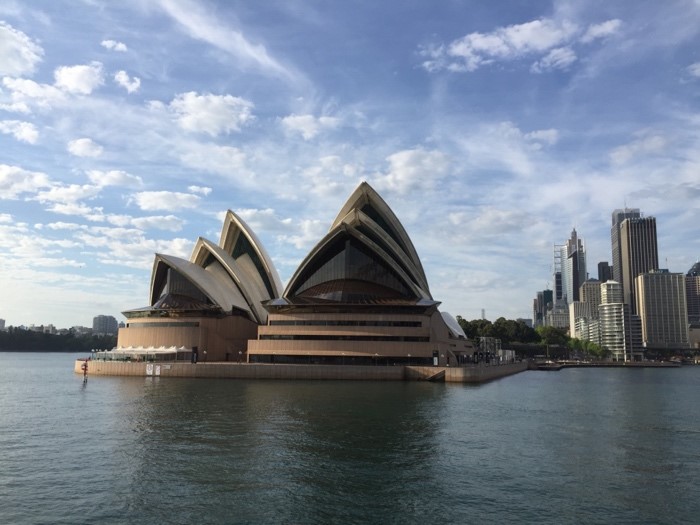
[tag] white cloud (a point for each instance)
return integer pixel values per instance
(211, 114)
(638, 148)
(205, 26)
(63, 226)
(158, 222)
(22, 131)
(84, 148)
(203, 190)
(312, 231)
(129, 247)
(550, 39)
(26, 93)
(490, 220)
(308, 125)
(330, 176)
(15, 181)
(694, 69)
(548, 136)
(265, 220)
(114, 178)
(131, 85)
(413, 169)
(227, 161)
(113, 45)
(501, 149)
(559, 58)
(68, 194)
(537, 36)
(165, 200)
(602, 30)
(19, 55)
(81, 79)
(77, 208)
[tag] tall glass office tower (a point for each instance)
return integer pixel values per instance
(617, 217)
(639, 254)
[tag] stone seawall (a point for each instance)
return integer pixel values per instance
(475, 374)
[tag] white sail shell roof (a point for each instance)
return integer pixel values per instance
(453, 325)
(365, 196)
(381, 236)
(216, 286)
(255, 263)
(248, 282)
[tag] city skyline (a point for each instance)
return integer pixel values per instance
(503, 127)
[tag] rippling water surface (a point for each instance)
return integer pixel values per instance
(575, 446)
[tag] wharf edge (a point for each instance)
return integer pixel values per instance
(475, 374)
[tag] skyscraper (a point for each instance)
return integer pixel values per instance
(662, 308)
(617, 217)
(604, 271)
(692, 293)
(558, 285)
(540, 305)
(573, 267)
(639, 254)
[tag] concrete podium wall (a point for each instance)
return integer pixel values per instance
(475, 374)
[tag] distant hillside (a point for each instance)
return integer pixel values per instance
(17, 339)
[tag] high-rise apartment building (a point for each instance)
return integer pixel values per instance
(104, 324)
(692, 293)
(639, 254)
(573, 267)
(620, 330)
(590, 293)
(584, 312)
(617, 217)
(611, 292)
(662, 309)
(578, 311)
(558, 316)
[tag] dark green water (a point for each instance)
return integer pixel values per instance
(575, 446)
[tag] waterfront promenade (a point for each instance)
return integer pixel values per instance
(538, 364)
(223, 370)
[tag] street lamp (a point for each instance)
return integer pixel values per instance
(240, 356)
(409, 359)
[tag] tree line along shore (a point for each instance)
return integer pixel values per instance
(15, 339)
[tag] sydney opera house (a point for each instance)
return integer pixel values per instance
(360, 296)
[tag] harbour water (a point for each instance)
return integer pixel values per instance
(574, 446)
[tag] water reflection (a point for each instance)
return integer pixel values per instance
(301, 447)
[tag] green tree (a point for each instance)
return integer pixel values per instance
(507, 330)
(551, 335)
(476, 328)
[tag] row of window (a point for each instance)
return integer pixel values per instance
(305, 337)
(405, 324)
(187, 324)
(341, 360)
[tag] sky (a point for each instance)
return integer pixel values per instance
(492, 129)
